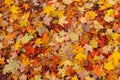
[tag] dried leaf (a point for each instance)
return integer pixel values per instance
(47, 20)
(74, 36)
(37, 77)
(62, 21)
(108, 18)
(23, 77)
(12, 66)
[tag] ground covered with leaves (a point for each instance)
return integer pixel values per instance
(59, 39)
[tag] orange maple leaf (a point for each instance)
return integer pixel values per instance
(98, 70)
(45, 38)
(2, 60)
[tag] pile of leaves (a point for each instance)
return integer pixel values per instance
(59, 39)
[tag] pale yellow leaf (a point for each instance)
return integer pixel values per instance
(108, 18)
(62, 21)
(12, 66)
(74, 36)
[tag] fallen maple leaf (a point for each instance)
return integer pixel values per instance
(80, 56)
(47, 20)
(14, 9)
(2, 60)
(9, 2)
(108, 18)
(108, 66)
(98, 70)
(12, 66)
(74, 78)
(45, 38)
(48, 9)
(62, 21)
(17, 45)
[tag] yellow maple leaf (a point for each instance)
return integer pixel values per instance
(66, 63)
(55, 21)
(58, 13)
(77, 49)
(38, 41)
(24, 22)
(14, 9)
(94, 43)
(90, 14)
(115, 57)
(110, 12)
(105, 5)
(80, 56)
(74, 78)
(17, 45)
(96, 57)
(27, 15)
(14, 16)
(48, 9)
(115, 36)
(9, 2)
(108, 66)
